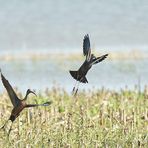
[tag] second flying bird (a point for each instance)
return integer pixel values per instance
(80, 74)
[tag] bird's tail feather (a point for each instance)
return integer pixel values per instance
(83, 80)
(75, 75)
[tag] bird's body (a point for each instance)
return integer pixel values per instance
(17, 110)
(18, 104)
(80, 74)
(85, 68)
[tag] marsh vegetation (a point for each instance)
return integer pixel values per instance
(98, 118)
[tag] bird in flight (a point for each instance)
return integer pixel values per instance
(18, 104)
(80, 74)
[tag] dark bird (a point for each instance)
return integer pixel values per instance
(80, 74)
(18, 105)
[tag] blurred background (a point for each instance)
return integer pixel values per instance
(40, 41)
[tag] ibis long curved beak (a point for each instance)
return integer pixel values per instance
(33, 93)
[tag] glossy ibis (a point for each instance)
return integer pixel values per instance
(80, 74)
(18, 105)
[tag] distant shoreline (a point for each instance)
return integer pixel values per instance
(39, 55)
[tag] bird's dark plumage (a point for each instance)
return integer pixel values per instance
(18, 105)
(76, 76)
(80, 74)
(86, 47)
(34, 105)
(13, 97)
(99, 59)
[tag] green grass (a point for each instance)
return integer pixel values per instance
(100, 118)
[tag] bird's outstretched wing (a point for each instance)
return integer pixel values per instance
(99, 59)
(13, 97)
(35, 105)
(86, 47)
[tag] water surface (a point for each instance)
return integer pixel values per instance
(42, 74)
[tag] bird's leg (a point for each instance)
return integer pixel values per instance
(73, 90)
(4, 124)
(10, 129)
(77, 89)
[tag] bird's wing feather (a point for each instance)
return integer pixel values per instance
(13, 97)
(99, 59)
(86, 47)
(35, 105)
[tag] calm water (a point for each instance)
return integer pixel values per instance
(61, 24)
(46, 73)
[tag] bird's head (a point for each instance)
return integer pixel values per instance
(29, 91)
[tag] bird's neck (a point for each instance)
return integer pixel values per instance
(26, 96)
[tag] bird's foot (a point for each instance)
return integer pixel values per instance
(76, 92)
(3, 127)
(73, 90)
(9, 132)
